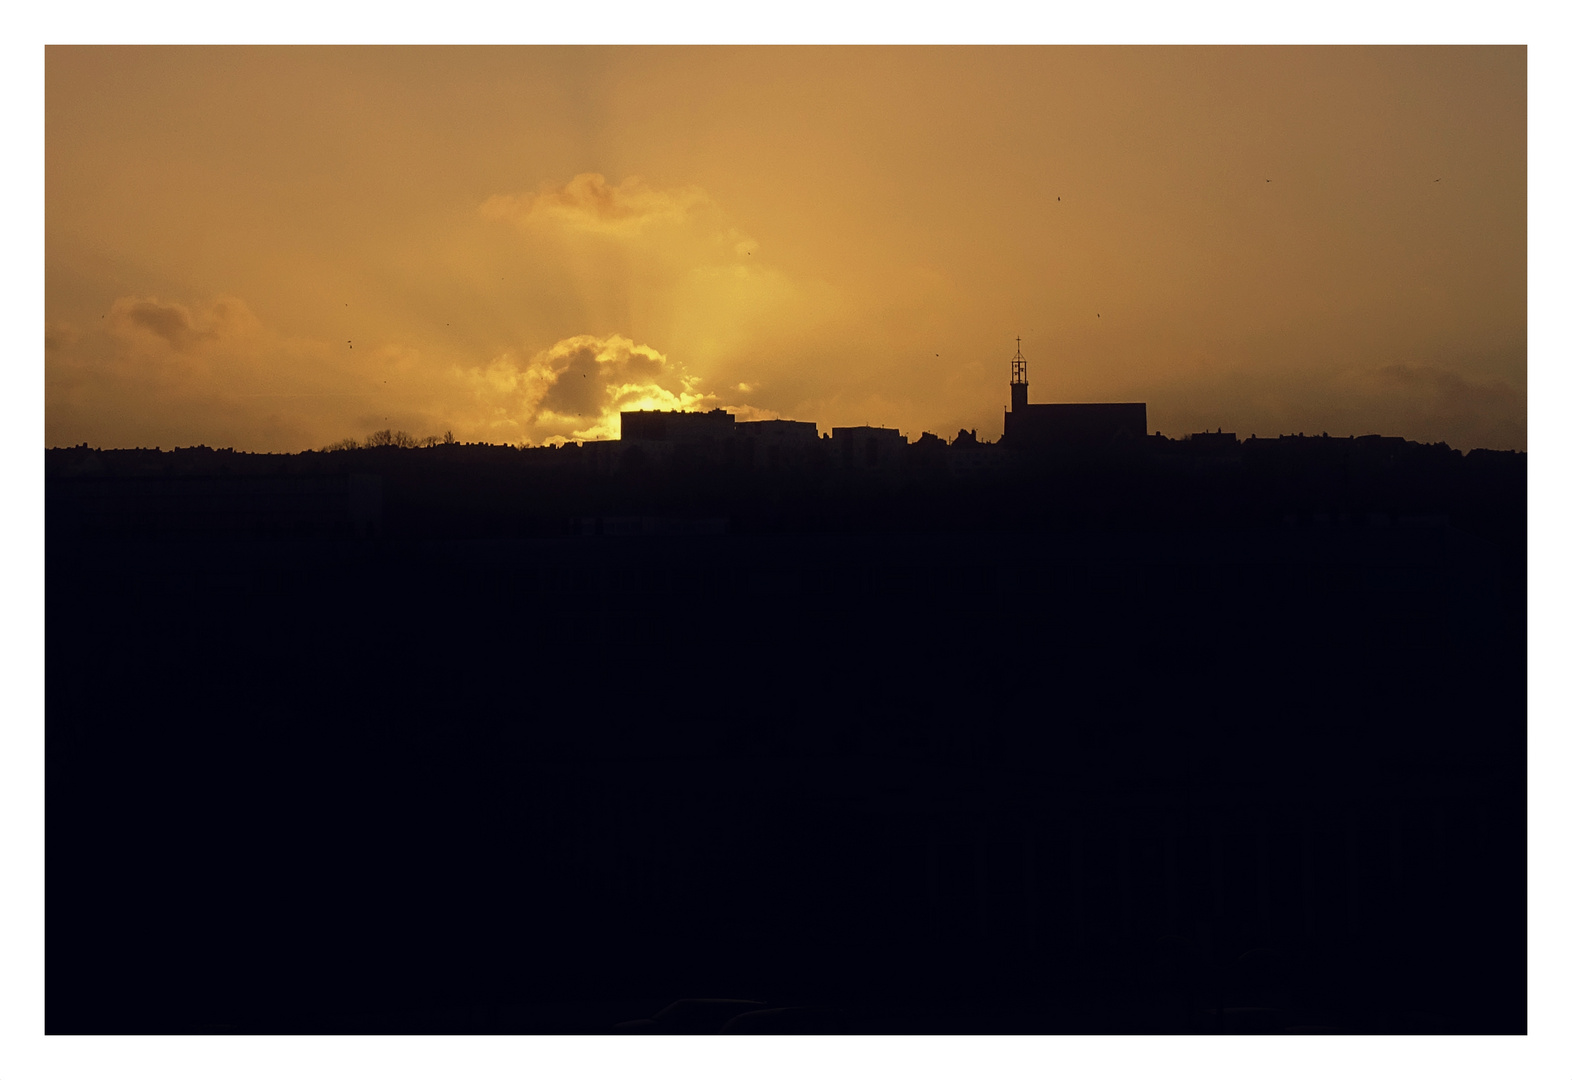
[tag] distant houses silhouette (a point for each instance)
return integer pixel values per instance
(1028, 430)
(339, 490)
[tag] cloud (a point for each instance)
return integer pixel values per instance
(60, 335)
(740, 242)
(226, 319)
(589, 203)
(157, 371)
(577, 389)
(1445, 390)
(172, 322)
(1437, 403)
(151, 371)
(1422, 401)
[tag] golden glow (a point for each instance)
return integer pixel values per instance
(575, 390)
(277, 248)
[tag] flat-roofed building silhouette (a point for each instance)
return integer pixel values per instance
(659, 425)
(862, 448)
(779, 431)
(773, 444)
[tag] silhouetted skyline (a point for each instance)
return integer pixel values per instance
(556, 539)
(1135, 735)
(274, 249)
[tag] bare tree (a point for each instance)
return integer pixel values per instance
(389, 437)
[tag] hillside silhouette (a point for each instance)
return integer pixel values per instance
(758, 730)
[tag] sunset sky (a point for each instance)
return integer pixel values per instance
(277, 248)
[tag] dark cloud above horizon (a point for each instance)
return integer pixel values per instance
(278, 248)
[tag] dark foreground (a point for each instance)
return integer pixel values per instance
(1258, 768)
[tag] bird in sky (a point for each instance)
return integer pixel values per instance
(1058, 198)
(1438, 179)
(1268, 181)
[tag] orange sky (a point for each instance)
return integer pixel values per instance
(274, 249)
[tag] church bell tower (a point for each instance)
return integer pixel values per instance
(1018, 381)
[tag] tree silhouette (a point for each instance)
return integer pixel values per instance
(389, 437)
